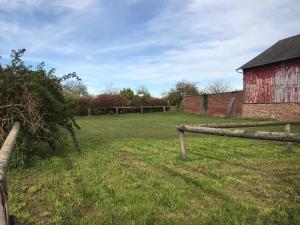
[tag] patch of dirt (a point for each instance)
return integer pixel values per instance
(204, 203)
(130, 160)
(267, 183)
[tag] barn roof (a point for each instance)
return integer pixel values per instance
(288, 48)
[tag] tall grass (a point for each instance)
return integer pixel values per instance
(129, 172)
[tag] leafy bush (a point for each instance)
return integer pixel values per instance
(127, 93)
(158, 102)
(35, 98)
(82, 104)
(107, 101)
(102, 104)
(138, 101)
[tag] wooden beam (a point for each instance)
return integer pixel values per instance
(131, 107)
(263, 135)
(7, 148)
(182, 145)
(287, 129)
(244, 124)
(231, 108)
(155, 106)
(3, 218)
(5, 154)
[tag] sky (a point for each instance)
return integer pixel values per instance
(155, 43)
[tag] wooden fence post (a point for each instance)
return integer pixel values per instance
(4, 206)
(142, 109)
(182, 145)
(287, 129)
(89, 111)
(5, 153)
(117, 111)
(3, 214)
(164, 108)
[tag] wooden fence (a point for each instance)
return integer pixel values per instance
(5, 153)
(117, 110)
(218, 129)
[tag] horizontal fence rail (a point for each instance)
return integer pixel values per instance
(5, 154)
(218, 129)
(244, 124)
(140, 108)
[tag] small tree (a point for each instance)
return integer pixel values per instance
(110, 89)
(127, 93)
(76, 94)
(184, 87)
(142, 91)
(218, 86)
(82, 105)
(75, 89)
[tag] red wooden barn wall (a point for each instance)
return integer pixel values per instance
(277, 83)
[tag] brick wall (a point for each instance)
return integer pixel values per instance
(217, 103)
(192, 104)
(279, 111)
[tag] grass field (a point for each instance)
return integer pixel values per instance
(129, 172)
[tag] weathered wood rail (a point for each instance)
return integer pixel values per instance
(5, 153)
(218, 129)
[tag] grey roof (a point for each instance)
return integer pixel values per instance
(288, 48)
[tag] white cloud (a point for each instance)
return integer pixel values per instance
(200, 40)
(219, 36)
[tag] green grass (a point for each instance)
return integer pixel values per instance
(129, 172)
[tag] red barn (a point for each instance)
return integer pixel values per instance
(272, 82)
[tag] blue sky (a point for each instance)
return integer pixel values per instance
(155, 43)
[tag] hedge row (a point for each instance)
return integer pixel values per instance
(105, 101)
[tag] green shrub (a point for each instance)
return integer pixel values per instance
(35, 98)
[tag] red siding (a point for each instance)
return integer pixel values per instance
(274, 83)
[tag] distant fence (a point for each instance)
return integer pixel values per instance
(120, 110)
(5, 153)
(217, 129)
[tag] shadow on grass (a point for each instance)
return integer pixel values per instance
(203, 186)
(41, 151)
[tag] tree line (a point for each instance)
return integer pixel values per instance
(77, 92)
